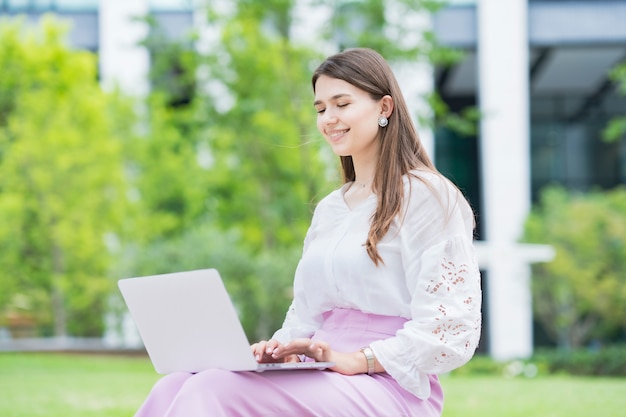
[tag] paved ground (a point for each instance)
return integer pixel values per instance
(65, 344)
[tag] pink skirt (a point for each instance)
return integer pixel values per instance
(219, 393)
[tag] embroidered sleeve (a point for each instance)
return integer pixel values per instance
(454, 289)
(445, 326)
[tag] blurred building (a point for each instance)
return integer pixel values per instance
(537, 70)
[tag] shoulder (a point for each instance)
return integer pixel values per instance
(331, 203)
(420, 185)
(332, 199)
(433, 195)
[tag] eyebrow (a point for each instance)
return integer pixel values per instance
(335, 97)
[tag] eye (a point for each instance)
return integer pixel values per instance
(342, 105)
(320, 111)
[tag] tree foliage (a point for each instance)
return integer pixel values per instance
(259, 285)
(266, 154)
(170, 181)
(62, 185)
(229, 186)
(616, 129)
(581, 294)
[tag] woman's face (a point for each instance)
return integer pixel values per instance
(347, 117)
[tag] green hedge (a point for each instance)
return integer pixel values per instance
(606, 361)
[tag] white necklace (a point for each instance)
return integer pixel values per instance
(362, 184)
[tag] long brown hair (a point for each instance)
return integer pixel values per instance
(400, 149)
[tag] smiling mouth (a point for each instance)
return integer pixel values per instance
(337, 134)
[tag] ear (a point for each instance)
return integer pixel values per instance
(386, 106)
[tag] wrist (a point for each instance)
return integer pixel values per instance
(370, 363)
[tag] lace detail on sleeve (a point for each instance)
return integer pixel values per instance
(446, 319)
(453, 278)
(456, 281)
(450, 277)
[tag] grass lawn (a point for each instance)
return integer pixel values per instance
(62, 385)
(72, 385)
(544, 396)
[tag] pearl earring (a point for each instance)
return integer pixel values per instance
(383, 121)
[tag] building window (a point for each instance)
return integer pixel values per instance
(46, 5)
(171, 5)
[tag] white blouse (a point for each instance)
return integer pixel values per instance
(429, 276)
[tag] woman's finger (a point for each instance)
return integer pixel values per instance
(257, 349)
(293, 347)
(270, 346)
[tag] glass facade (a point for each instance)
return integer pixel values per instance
(170, 4)
(75, 4)
(568, 153)
(574, 156)
(91, 5)
(572, 100)
(46, 5)
(457, 158)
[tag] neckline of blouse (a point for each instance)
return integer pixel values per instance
(360, 205)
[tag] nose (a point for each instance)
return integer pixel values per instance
(328, 117)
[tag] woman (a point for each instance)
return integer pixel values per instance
(387, 287)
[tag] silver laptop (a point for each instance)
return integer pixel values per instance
(188, 324)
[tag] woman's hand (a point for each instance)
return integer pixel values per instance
(345, 363)
(263, 352)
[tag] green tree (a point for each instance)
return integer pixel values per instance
(168, 172)
(205, 174)
(267, 157)
(616, 129)
(259, 285)
(62, 185)
(581, 293)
